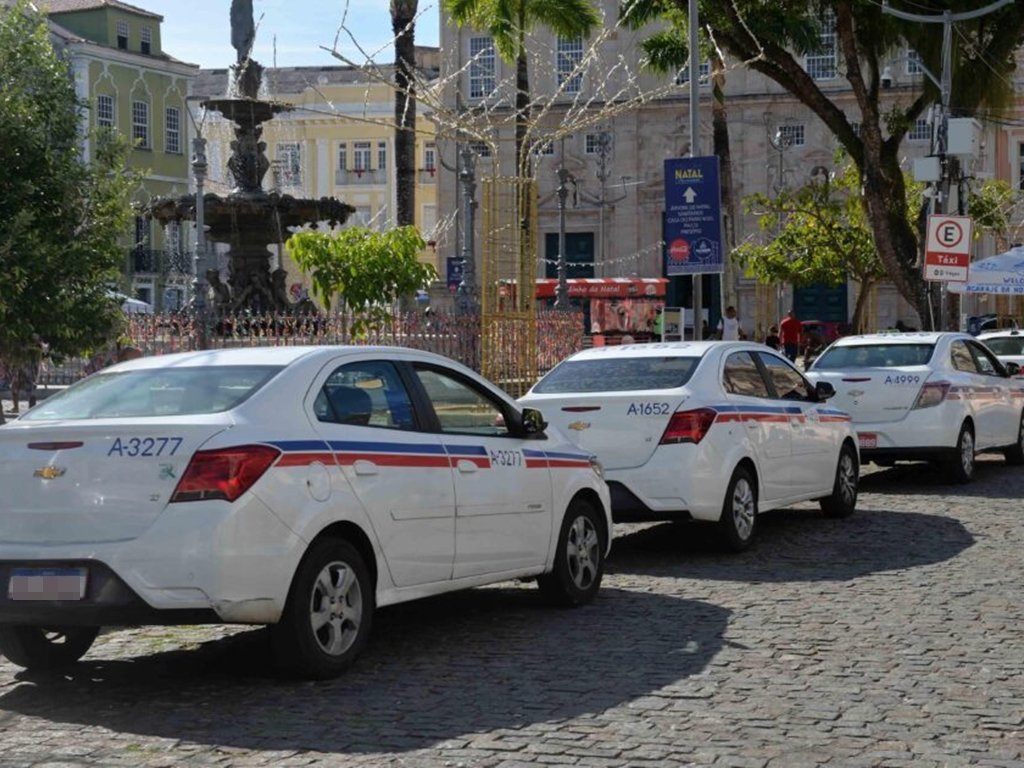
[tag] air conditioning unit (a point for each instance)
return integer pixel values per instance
(963, 137)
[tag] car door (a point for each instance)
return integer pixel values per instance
(998, 398)
(813, 447)
(765, 422)
(503, 500)
(399, 473)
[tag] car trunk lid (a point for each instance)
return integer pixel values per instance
(875, 395)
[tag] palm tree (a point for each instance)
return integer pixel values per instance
(403, 23)
(509, 22)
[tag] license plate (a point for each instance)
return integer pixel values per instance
(867, 439)
(47, 584)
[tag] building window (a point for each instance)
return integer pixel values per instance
(141, 232)
(147, 40)
(172, 131)
(703, 74)
(596, 143)
(122, 35)
(140, 124)
(569, 58)
(914, 64)
(821, 65)
(382, 155)
(430, 157)
(1020, 166)
(481, 67)
(105, 111)
(362, 216)
(922, 130)
(856, 126)
(343, 156)
(428, 221)
(361, 155)
(481, 149)
(289, 164)
(544, 148)
(791, 135)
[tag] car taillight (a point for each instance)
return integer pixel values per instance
(932, 393)
(688, 426)
(225, 473)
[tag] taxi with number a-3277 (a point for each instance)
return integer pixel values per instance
(298, 487)
(941, 397)
(710, 431)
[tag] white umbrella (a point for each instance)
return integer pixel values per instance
(131, 306)
(1000, 274)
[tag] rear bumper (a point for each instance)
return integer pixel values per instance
(928, 453)
(925, 430)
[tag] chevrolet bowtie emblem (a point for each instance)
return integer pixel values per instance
(49, 473)
(855, 392)
(579, 426)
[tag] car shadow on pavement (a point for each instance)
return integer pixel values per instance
(437, 670)
(798, 544)
(993, 479)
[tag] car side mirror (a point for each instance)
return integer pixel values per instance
(533, 421)
(1012, 369)
(823, 390)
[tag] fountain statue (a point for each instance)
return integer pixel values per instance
(248, 218)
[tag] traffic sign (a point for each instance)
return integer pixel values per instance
(947, 254)
(693, 216)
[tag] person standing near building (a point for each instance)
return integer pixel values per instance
(790, 331)
(729, 328)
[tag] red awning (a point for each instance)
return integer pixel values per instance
(606, 287)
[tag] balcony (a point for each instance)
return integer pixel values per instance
(359, 176)
(156, 262)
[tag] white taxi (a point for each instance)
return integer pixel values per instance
(1008, 345)
(709, 431)
(942, 397)
(299, 487)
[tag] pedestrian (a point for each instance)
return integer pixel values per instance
(791, 331)
(772, 339)
(729, 328)
(813, 346)
(658, 327)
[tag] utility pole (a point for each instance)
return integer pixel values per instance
(947, 19)
(466, 294)
(698, 294)
(199, 168)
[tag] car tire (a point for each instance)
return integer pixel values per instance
(45, 648)
(576, 574)
(960, 465)
(843, 499)
(1015, 454)
(738, 522)
(329, 612)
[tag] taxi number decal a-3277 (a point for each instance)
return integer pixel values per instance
(903, 378)
(145, 446)
(506, 458)
(648, 409)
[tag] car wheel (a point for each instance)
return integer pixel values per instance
(1015, 455)
(43, 648)
(579, 559)
(843, 499)
(739, 511)
(960, 466)
(327, 618)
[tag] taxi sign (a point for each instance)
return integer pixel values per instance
(947, 253)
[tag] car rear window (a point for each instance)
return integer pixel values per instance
(155, 392)
(618, 374)
(1010, 345)
(874, 356)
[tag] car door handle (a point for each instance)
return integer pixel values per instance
(466, 466)
(364, 467)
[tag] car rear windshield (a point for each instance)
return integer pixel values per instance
(618, 374)
(155, 392)
(874, 356)
(1009, 345)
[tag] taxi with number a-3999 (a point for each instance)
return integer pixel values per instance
(298, 487)
(709, 431)
(942, 397)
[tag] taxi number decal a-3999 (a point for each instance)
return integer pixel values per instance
(648, 409)
(903, 378)
(506, 458)
(145, 446)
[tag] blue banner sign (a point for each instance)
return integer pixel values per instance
(454, 276)
(693, 216)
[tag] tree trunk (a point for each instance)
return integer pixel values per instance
(858, 309)
(522, 112)
(403, 15)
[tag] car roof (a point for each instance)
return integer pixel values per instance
(1004, 333)
(279, 356)
(915, 337)
(661, 349)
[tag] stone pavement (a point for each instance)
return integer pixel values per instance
(892, 638)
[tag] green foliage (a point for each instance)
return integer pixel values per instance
(60, 217)
(368, 270)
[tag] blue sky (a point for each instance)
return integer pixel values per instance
(198, 31)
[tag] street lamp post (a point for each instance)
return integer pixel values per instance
(562, 289)
(199, 168)
(466, 294)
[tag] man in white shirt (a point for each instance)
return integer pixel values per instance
(729, 326)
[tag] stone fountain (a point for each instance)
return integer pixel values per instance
(248, 218)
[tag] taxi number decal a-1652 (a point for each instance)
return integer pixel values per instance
(903, 378)
(648, 409)
(506, 458)
(145, 446)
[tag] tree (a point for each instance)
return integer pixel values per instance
(60, 218)
(369, 271)
(403, 23)
(771, 39)
(509, 22)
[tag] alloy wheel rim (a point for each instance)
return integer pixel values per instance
(336, 608)
(847, 479)
(743, 508)
(583, 552)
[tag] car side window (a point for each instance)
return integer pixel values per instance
(789, 384)
(986, 362)
(741, 376)
(461, 406)
(368, 393)
(961, 357)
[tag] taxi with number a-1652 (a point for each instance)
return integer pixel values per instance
(942, 397)
(298, 487)
(710, 431)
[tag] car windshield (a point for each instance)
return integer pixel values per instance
(618, 374)
(874, 356)
(1008, 345)
(155, 392)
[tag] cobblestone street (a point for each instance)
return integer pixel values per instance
(891, 638)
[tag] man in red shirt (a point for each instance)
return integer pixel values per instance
(789, 330)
